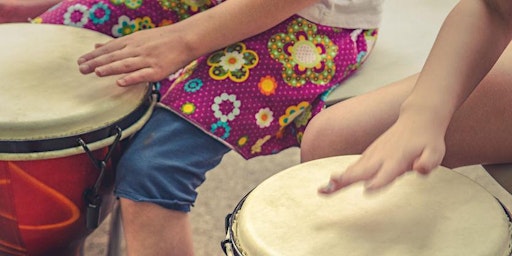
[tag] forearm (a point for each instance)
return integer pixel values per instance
(233, 21)
(470, 41)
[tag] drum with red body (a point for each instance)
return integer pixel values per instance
(61, 133)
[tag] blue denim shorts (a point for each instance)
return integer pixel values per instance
(166, 161)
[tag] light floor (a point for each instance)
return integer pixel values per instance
(231, 180)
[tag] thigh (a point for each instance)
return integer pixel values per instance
(479, 133)
(350, 126)
(481, 129)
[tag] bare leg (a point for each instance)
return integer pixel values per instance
(22, 10)
(480, 131)
(350, 126)
(151, 230)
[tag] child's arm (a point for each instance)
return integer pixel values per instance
(470, 41)
(22, 10)
(153, 54)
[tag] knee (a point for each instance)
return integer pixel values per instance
(336, 131)
(313, 139)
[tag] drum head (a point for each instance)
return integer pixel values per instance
(444, 213)
(44, 96)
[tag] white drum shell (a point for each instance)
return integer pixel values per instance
(444, 213)
(45, 97)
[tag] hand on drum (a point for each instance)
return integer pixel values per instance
(412, 143)
(146, 56)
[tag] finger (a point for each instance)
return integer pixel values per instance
(385, 175)
(117, 62)
(98, 45)
(100, 49)
(427, 161)
(123, 66)
(359, 171)
(140, 76)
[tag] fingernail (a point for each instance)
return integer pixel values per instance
(98, 72)
(84, 68)
(329, 188)
(81, 60)
(371, 187)
(121, 82)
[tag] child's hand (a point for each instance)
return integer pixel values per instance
(412, 143)
(145, 56)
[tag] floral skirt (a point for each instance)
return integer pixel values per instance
(257, 95)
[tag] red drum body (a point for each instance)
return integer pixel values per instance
(61, 134)
(42, 204)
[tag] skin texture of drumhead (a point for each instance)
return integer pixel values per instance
(443, 213)
(43, 93)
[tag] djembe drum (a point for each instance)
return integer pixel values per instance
(442, 214)
(61, 133)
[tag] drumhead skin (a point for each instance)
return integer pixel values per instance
(45, 97)
(443, 213)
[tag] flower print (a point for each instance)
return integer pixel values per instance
(292, 112)
(195, 4)
(144, 23)
(99, 13)
(280, 133)
(130, 4)
(370, 35)
(326, 93)
(218, 109)
(184, 73)
(267, 85)
(221, 125)
(305, 55)
(355, 34)
(188, 108)
(264, 117)
(304, 117)
(354, 66)
(361, 57)
(133, 4)
(76, 15)
(256, 148)
(165, 22)
(300, 135)
(233, 62)
(185, 8)
(193, 85)
(124, 26)
(242, 140)
(37, 20)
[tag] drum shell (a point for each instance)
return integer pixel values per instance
(42, 202)
(442, 214)
(47, 105)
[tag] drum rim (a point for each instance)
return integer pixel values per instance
(231, 225)
(8, 148)
(237, 250)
